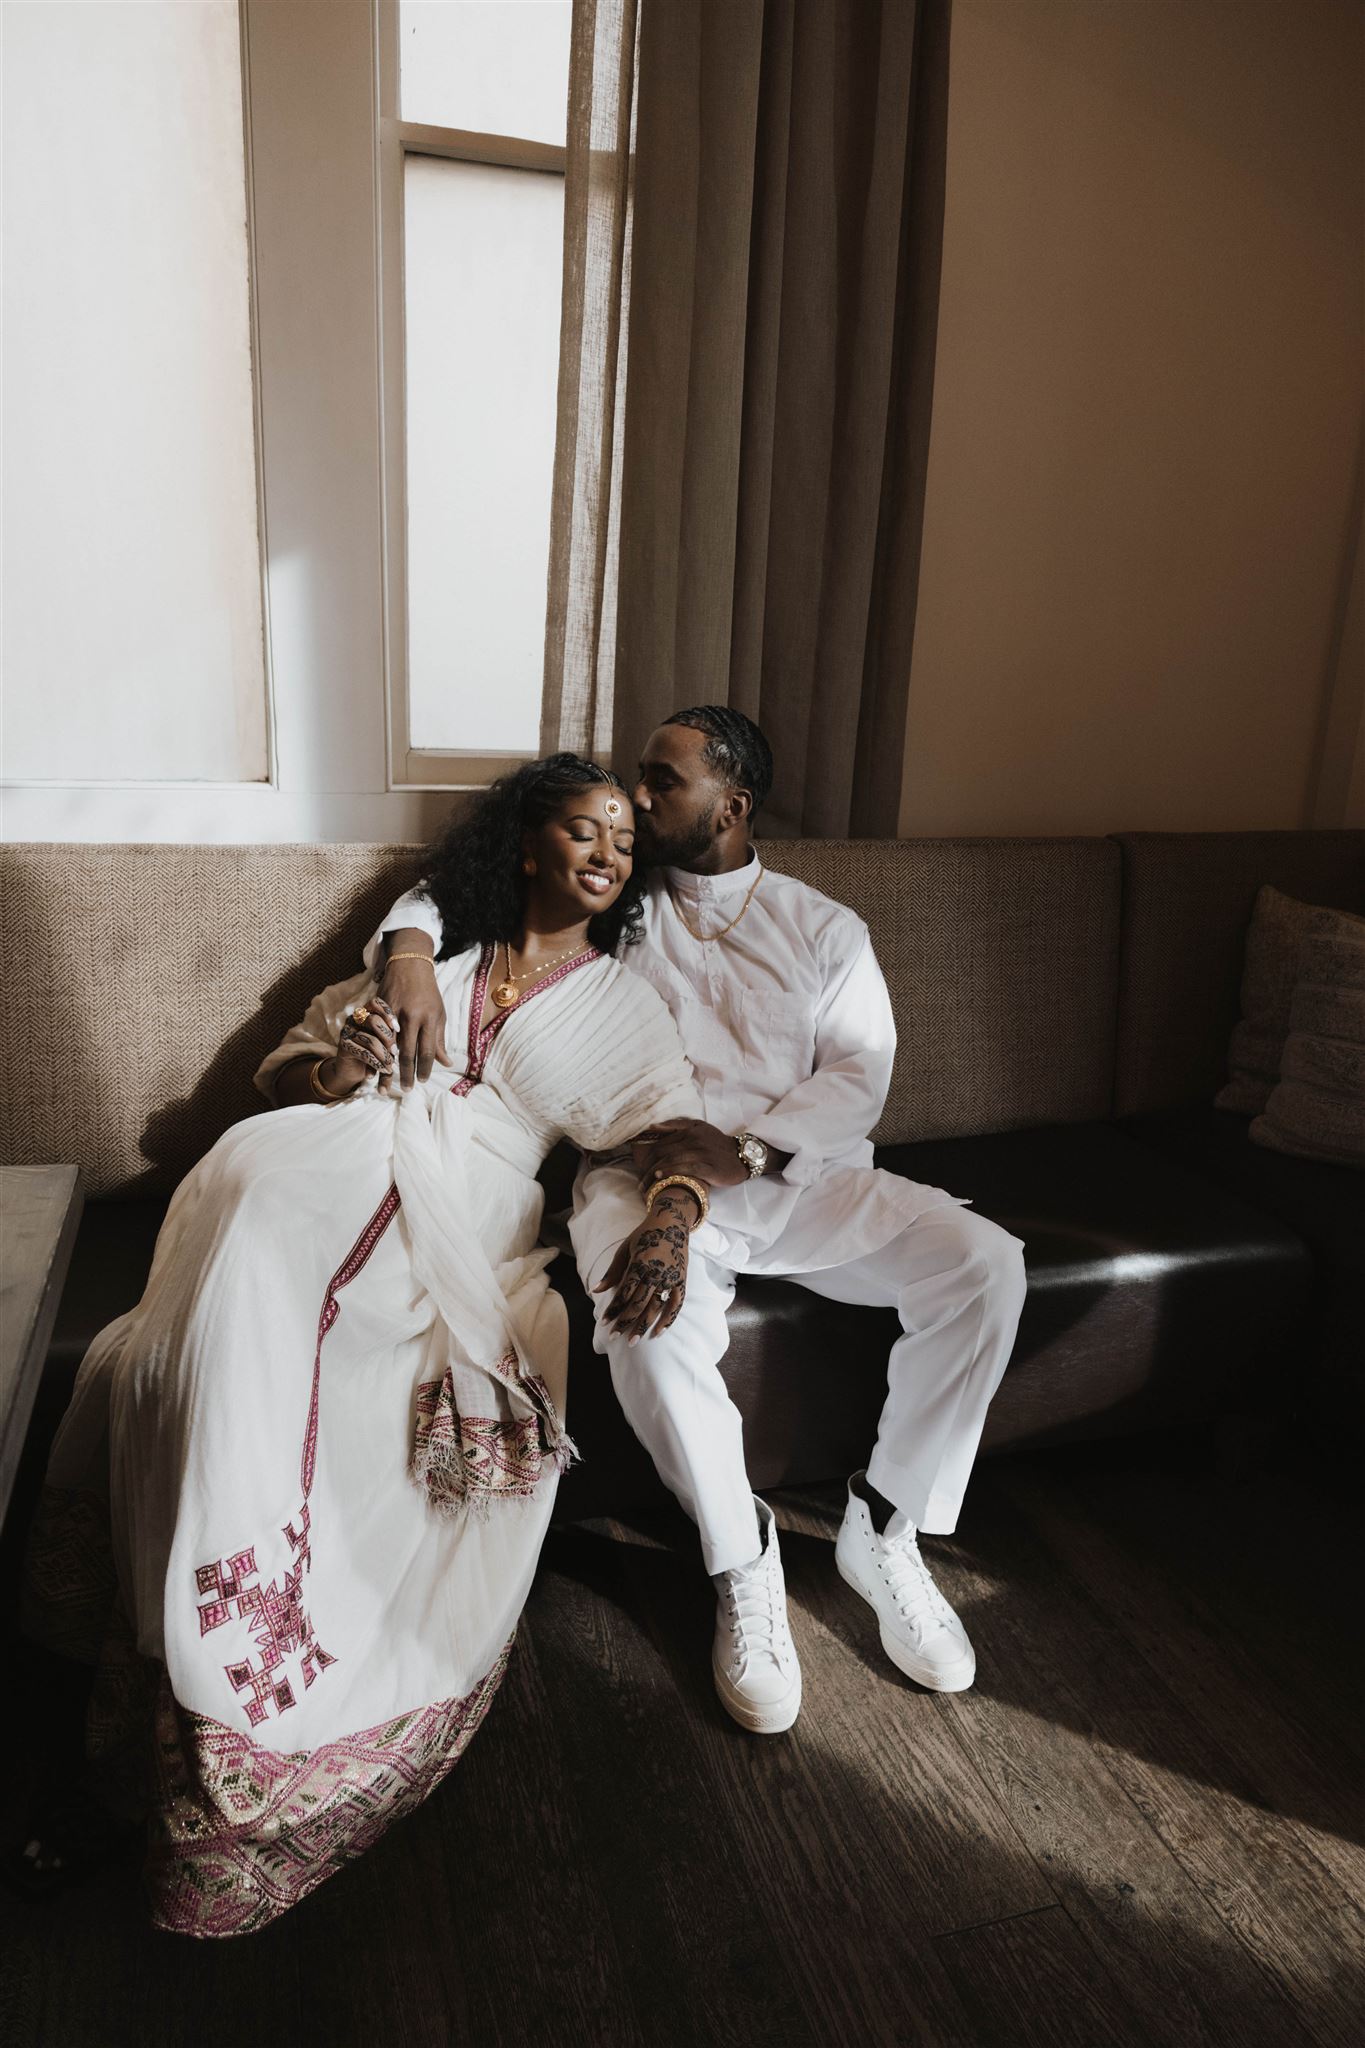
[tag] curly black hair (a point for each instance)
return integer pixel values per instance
(474, 874)
(735, 747)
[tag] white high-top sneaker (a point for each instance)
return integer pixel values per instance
(758, 1678)
(920, 1632)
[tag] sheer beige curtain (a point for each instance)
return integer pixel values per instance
(580, 639)
(759, 497)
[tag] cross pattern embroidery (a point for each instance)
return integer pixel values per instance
(276, 1616)
(275, 1613)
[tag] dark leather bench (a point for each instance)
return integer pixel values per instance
(1154, 1296)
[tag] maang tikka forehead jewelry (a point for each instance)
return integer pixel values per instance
(612, 807)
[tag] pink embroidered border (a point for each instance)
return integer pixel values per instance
(467, 1461)
(240, 1834)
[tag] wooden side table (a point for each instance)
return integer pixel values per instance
(40, 1207)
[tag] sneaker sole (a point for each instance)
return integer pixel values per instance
(773, 1718)
(955, 1678)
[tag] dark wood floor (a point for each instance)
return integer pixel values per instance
(1143, 1825)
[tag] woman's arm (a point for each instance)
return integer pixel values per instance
(649, 1271)
(361, 1052)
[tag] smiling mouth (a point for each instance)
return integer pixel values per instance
(595, 882)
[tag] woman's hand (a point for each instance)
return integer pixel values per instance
(414, 999)
(649, 1271)
(368, 1045)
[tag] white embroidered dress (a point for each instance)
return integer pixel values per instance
(335, 1421)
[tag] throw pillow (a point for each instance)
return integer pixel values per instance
(1317, 1107)
(1279, 926)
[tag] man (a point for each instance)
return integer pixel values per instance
(785, 1017)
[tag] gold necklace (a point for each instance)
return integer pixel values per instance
(506, 993)
(707, 938)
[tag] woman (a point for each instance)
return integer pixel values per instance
(334, 1424)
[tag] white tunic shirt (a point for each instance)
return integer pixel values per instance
(788, 1026)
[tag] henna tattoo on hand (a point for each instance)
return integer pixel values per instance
(653, 1282)
(351, 1046)
(651, 1266)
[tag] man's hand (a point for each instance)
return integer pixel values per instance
(409, 988)
(684, 1144)
(649, 1271)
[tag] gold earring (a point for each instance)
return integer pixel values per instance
(528, 867)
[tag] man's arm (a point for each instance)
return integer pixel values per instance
(408, 985)
(855, 1048)
(855, 1045)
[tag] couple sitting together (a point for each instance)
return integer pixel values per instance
(328, 1437)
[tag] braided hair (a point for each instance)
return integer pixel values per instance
(474, 875)
(735, 747)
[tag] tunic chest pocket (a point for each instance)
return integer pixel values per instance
(779, 1032)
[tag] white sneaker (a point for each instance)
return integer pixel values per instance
(920, 1632)
(758, 1678)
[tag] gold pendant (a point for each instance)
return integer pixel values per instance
(505, 994)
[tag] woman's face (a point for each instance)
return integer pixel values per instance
(584, 854)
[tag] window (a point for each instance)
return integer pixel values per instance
(473, 97)
(133, 641)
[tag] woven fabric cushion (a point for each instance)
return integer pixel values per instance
(1280, 927)
(1001, 957)
(1188, 898)
(1317, 1108)
(163, 975)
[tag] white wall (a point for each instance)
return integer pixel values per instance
(311, 72)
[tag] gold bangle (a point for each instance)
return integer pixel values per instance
(680, 1180)
(430, 958)
(319, 1088)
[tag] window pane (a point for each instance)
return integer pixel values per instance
(483, 258)
(132, 641)
(500, 67)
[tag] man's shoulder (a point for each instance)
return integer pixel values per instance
(822, 917)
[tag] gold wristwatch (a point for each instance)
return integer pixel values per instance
(753, 1153)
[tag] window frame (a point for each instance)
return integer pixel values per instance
(409, 767)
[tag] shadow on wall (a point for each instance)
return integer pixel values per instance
(178, 1134)
(163, 974)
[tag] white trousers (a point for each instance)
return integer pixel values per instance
(957, 1282)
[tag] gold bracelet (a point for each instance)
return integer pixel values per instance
(315, 1082)
(680, 1180)
(430, 958)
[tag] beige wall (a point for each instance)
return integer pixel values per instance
(1135, 598)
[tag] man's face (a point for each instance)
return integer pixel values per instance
(676, 798)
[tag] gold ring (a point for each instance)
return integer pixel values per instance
(361, 1014)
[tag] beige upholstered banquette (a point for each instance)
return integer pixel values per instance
(160, 974)
(1043, 988)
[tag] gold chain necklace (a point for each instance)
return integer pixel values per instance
(707, 938)
(506, 993)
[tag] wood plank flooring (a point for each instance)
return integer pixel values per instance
(1142, 1828)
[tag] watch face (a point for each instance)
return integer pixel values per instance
(753, 1152)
